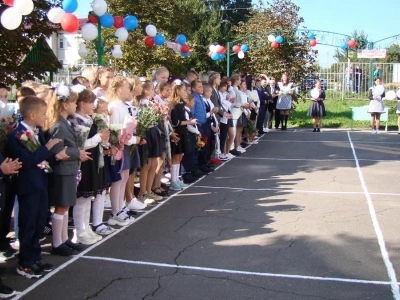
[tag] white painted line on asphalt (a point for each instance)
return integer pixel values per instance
(309, 142)
(236, 272)
(385, 255)
(293, 191)
(313, 159)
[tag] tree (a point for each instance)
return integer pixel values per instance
(293, 56)
(392, 54)
(16, 44)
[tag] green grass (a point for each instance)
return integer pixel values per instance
(338, 114)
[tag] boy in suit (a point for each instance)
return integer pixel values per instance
(32, 184)
(7, 167)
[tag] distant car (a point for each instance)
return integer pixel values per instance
(309, 82)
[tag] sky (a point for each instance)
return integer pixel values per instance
(378, 19)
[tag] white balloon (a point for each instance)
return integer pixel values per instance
(11, 18)
(116, 52)
(55, 14)
(24, 7)
(315, 93)
(89, 32)
(271, 38)
(390, 95)
(398, 94)
(378, 90)
(241, 54)
(213, 48)
(122, 34)
(151, 30)
(99, 7)
(82, 52)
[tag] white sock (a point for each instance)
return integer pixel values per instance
(87, 214)
(56, 226)
(98, 209)
(117, 192)
(64, 232)
(79, 214)
(174, 173)
(124, 180)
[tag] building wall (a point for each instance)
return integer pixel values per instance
(65, 46)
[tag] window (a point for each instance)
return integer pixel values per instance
(61, 43)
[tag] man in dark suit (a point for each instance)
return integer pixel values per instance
(272, 90)
(7, 167)
(263, 95)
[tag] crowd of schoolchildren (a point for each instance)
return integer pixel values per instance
(59, 160)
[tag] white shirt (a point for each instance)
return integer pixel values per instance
(190, 128)
(118, 112)
(211, 108)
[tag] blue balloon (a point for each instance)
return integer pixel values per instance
(221, 56)
(279, 39)
(311, 35)
(130, 22)
(343, 45)
(107, 20)
(214, 56)
(185, 54)
(180, 39)
(159, 40)
(69, 6)
(244, 47)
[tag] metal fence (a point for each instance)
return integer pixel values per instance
(352, 80)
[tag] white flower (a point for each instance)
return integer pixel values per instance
(79, 88)
(115, 127)
(81, 128)
(24, 137)
(63, 91)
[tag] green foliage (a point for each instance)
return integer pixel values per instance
(293, 56)
(16, 44)
(392, 54)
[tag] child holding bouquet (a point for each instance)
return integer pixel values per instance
(120, 91)
(63, 187)
(93, 183)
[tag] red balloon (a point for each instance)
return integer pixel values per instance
(274, 45)
(236, 49)
(313, 42)
(69, 22)
(185, 48)
(351, 43)
(209, 54)
(221, 50)
(9, 2)
(118, 22)
(149, 41)
(92, 19)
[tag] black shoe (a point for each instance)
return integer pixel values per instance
(235, 152)
(187, 178)
(261, 132)
(33, 271)
(45, 266)
(205, 170)
(212, 167)
(8, 254)
(314, 130)
(198, 173)
(161, 192)
(74, 246)
(283, 128)
(62, 250)
(318, 130)
(244, 145)
(5, 291)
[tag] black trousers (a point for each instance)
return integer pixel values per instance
(31, 220)
(201, 156)
(5, 214)
(188, 159)
(261, 117)
(223, 135)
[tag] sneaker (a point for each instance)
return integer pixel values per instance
(107, 201)
(255, 142)
(146, 199)
(45, 266)
(5, 291)
(215, 161)
(94, 235)
(85, 238)
(373, 131)
(62, 250)
(153, 196)
(240, 149)
(103, 229)
(117, 220)
(175, 186)
(8, 254)
(135, 204)
(229, 156)
(378, 132)
(184, 186)
(33, 271)
(223, 157)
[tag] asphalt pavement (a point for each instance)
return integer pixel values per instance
(300, 215)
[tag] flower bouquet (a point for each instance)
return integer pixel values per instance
(28, 139)
(128, 129)
(146, 117)
(101, 121)
(251, 131)
(115, 133)
(6, 126)
(201, 142)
